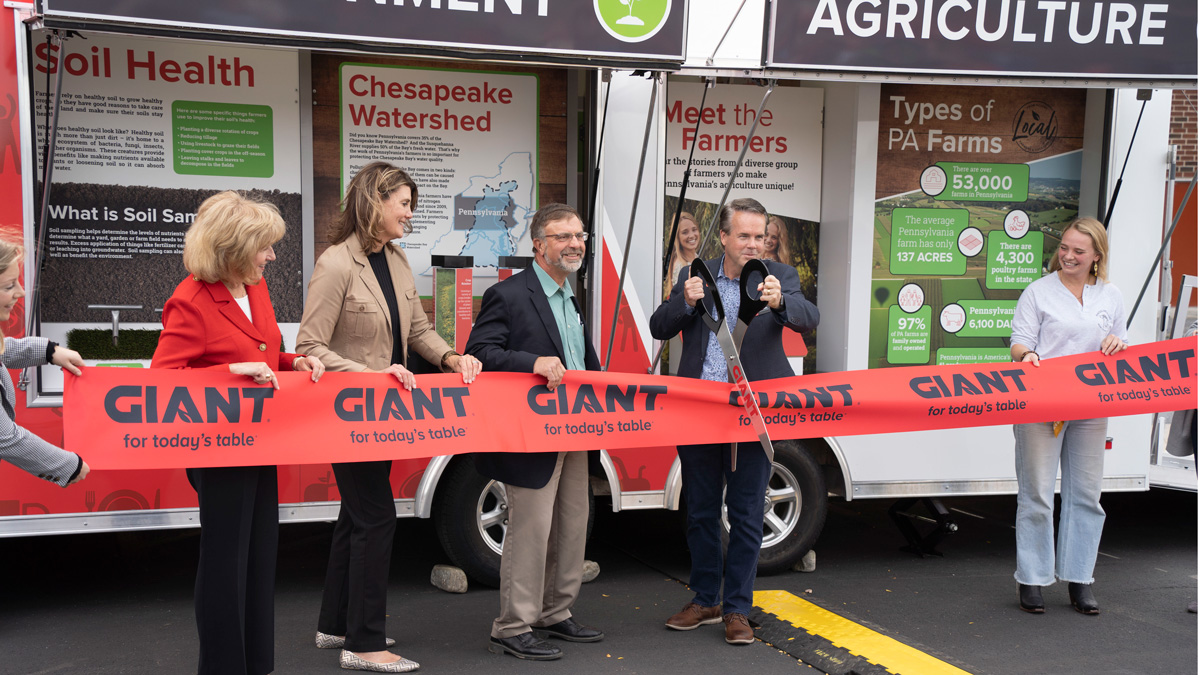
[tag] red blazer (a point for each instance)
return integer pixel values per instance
(203, 327)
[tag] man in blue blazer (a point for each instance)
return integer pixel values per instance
(531, 323)
(706, 469)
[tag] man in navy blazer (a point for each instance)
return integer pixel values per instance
(531, 323)
(706, 469)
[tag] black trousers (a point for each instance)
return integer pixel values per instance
(354, 603)
(235, 579)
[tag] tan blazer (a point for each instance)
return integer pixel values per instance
(346, 320)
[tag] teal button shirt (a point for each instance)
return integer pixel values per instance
(570, 324)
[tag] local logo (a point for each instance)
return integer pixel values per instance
(632, 20)
(1035, 127)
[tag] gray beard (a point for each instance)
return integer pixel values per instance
(567, 267)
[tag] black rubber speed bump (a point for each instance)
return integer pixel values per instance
(813, 650)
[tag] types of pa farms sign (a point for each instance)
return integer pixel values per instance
(974, 186)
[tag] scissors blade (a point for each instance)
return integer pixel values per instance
(729, 346)
(749, 400)
(753, 273)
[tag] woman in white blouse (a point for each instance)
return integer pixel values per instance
(1069, 311)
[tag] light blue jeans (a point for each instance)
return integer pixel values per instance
(1079, 448)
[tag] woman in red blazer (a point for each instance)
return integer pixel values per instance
(221, 317)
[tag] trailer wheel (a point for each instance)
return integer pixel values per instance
(470, 515)
(794, 508)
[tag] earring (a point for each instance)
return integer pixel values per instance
(1096, 268)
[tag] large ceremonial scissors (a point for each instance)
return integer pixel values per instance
(713, 311)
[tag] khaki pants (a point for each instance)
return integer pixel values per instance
(542, 564)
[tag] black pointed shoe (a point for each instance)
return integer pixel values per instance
(1031, 599)
(1082, 599)
(525, 646)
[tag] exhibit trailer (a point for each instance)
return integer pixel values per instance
(916, 195)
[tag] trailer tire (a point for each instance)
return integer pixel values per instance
(469, 516)
(462, 500)
(798, 500)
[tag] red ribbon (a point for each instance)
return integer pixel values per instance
(123, 418)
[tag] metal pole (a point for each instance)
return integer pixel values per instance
(709, 61)
(1166, 242)
(637, 191)
(738, 167)
(1112, 203)
(591, 216)
(47, 175)
(728, 187)
(687, 175)
(1167, 280)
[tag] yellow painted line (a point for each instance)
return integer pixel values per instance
(877, 648)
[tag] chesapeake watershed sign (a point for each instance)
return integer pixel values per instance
(1055, 38)
(575, 29)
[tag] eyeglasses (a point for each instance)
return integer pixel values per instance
(564, 238)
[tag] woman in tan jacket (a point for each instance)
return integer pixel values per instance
(363, 315)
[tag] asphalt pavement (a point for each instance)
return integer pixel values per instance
(121, 603)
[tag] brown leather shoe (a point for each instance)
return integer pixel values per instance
(693, 616)
(738, 630)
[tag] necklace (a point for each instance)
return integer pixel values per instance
(1077, 293)
(238, 291)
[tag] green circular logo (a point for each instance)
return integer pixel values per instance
(632, 20)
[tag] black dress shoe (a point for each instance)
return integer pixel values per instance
(1082, 599)
(570, 631)
(524, 646)
(1031, 599)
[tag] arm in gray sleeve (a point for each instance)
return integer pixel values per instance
(29, 452)
(24, 352)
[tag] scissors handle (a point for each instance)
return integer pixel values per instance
(750, 306)
(711, 299)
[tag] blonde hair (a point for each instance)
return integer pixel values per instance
(676, 251)
(10, 252)
(229, 230)
(1094, 229)
(362, 207)
(783, 252)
